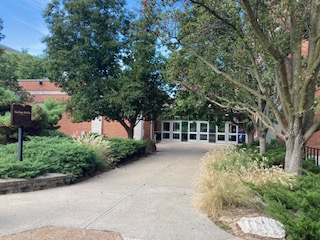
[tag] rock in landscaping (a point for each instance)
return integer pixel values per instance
(262, 226)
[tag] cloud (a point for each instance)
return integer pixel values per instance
(37, 4)
(36, 49)
(38, 26)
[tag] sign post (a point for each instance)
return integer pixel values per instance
(20, 117)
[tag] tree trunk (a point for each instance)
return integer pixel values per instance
(295, 144)
(250, 137)
(130, 132)
(262, 143)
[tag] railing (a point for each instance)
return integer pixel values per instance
(311, 152)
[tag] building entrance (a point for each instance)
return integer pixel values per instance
(199, 131)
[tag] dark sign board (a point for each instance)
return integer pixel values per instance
(21, 115)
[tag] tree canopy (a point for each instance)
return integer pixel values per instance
(26, 66)
(108, 65)
(248, 55)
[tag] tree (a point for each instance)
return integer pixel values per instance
(1, 34)
(26, 66)
(107, 68)
(283, 77)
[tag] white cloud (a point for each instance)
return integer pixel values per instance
(38, 4)
(36, 49)
(38, 26)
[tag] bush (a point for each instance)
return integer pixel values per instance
(275, 152)
(298, 208)
(311, 166)
(101, 146)
(42, 155)
(123, 149)
(226, 176)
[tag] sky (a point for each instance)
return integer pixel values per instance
(24, 26)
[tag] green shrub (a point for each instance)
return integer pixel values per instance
(226, 176)
(311, 166)
(275, 152)
(42, 155)
(101, 146)
(123, 149)
(298, 209)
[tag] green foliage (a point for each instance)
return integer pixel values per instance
(46, 116)
(44, 155)
(298, 209)
(26, 66)
(101, 146)
(123, 149)
(108, 58)
(5, 120)
(275, 151)
(64, 155)
(227, 175)
(7, 97)
(311, 166)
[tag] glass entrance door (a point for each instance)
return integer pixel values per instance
(203, 133)
(221, 133)
(176, 131)
(198, 131)
(193, 131)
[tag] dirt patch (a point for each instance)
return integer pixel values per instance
(228, 222)
(63, 233)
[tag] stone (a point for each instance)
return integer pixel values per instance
(262, 226)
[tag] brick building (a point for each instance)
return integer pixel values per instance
(41, 89)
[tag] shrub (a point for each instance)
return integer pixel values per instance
(43, 155)
(311, 166)
(298, 208)
(226, 175)
(126, 148)
(101, 146)
(275, 152)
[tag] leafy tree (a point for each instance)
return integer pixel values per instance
(263, 41)
(46, 116)
(26, 66)
(109, 69)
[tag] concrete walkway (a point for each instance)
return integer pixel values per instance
(150, 199)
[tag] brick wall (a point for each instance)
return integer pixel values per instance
(41, 89)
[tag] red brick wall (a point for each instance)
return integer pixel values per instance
(69, 128)
(109, 129)
(113, 129)
(33, 85)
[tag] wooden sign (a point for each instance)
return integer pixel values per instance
(21, 115)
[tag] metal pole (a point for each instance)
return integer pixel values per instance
(20, 141)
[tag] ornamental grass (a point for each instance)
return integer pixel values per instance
(101, 146)
(227, 177)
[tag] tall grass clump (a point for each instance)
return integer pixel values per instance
(227, 176)
(100, 146)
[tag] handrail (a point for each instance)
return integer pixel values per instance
(311, 152)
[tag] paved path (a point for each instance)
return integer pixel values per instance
(149, 199)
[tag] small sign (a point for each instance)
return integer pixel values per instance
(21, 115)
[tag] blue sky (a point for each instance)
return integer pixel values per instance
(24, 26)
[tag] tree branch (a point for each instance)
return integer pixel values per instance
(229, 78)
(275, 54)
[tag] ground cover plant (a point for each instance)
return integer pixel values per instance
(101, 147)
(43, 155)
(77, 157)
(123, 149)
(298, 208)
(241, 177)
(227, 176)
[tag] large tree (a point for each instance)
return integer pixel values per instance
(26, 66)
(283, 77)
(108, 65)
